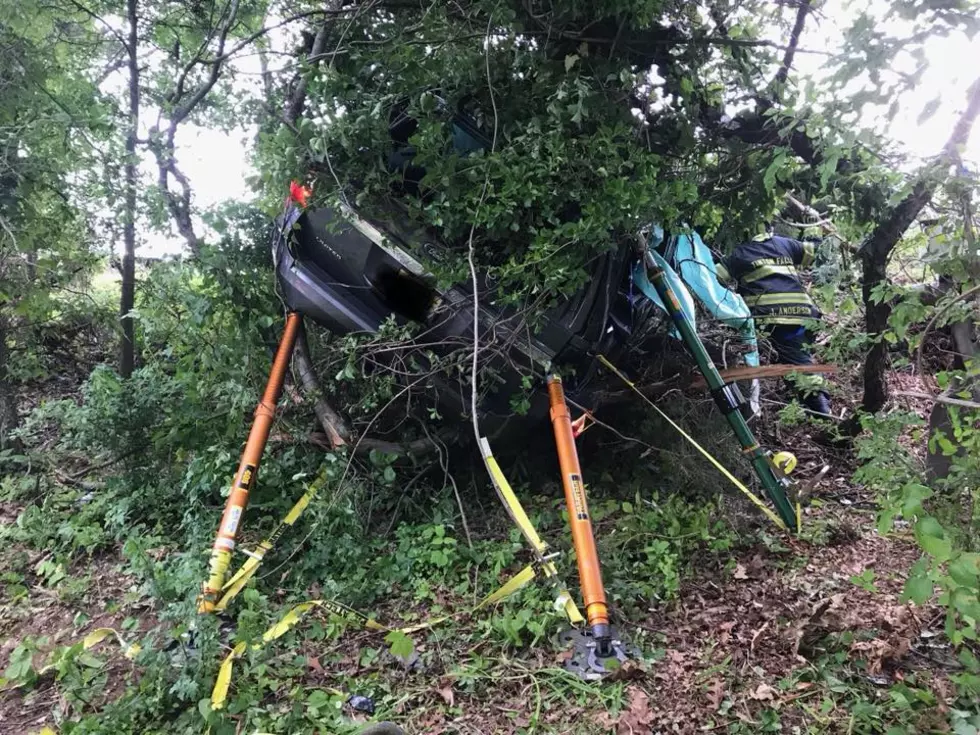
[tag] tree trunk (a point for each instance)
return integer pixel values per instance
(794, 40)
(877, 250)
(296, 102)
(875, 323)
(126, 301)
(938, 465)
(8, 395)
(331, 421)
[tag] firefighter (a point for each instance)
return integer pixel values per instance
(765, 273)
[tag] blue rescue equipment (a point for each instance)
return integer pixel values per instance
(685, 302)
(697, 269)
(691, 271)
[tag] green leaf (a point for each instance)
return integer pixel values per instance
(769, 177)
(92, 662)
(912, 496)
(965, 569)
(886, 520)
(318, 699)
(929, 526)
(969, 660)
(918, 589)
(865, 580)
(570, 61)
(931, 537)
(966, 604)
(828, 168)
(401, 646)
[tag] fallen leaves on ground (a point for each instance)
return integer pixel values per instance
(446, 692)
(635, 718)
(763, 693)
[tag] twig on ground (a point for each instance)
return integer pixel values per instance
(447, 475)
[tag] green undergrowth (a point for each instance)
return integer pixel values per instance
(396, 551)
(128, 480)
(401, 557)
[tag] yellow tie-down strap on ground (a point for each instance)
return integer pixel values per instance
(707, 455)
(219, 695)
(92, 639)
(516, 511)
(237, 582)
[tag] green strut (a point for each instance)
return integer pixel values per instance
(775, 484)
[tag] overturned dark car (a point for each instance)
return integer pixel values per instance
(351, 273)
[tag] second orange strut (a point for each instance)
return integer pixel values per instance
(590, 575)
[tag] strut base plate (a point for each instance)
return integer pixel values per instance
(585, 662)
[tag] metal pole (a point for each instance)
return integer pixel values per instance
(258, 435)
(590, 575)
(774, 485)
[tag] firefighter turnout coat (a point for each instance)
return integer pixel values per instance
(765, 273)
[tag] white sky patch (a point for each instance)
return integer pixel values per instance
(951, 69)
(220, 162)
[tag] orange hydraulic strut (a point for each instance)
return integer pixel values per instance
(248, 468)
(590, 576)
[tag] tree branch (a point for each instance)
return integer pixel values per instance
(96, 17)
(876, 251)
(794, 40)
(184, 110)
(823, 223)
(179, 205)
(415, 448)
(254, 36)
(939, 399)
(298, 99)
(965, 296)
(333, 424)
(887, 234)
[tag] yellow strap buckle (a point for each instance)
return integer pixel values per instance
(785, 462)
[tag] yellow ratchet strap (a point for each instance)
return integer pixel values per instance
(94, 638)
(707, 455)
(237, 582)
(219, 694)
(517, 514)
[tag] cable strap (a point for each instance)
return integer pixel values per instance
(707, 455)
(517, 514)
(237, 582)
(219, 694)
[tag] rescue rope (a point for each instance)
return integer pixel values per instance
(707, 455)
